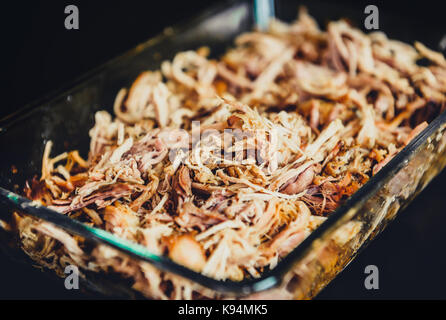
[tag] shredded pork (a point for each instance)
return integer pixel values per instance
(227, 165)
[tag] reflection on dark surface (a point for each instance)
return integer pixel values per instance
(409, 254)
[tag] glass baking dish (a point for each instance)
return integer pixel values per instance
(67, 116)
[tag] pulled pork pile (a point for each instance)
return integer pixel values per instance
(227, 165)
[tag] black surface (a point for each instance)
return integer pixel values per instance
(39, 55)
(409, 254)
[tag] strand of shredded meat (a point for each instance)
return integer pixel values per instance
(291, 123)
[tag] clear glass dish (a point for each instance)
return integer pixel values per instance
(68, 115)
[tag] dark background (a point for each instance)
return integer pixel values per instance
(39, 55)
